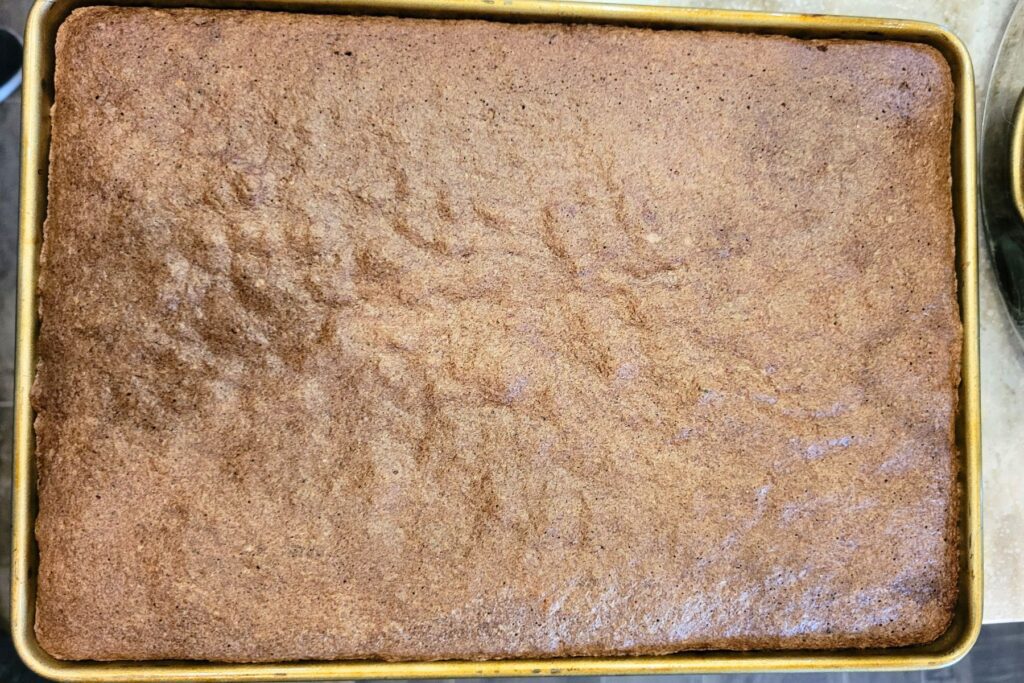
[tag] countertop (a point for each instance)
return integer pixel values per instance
(980, 25)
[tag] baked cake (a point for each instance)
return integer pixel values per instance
(415, 339)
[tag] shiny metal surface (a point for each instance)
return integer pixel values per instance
(1002, 187)
(44, 20)
(1017, 156)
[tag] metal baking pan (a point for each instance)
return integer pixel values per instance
(37, 96)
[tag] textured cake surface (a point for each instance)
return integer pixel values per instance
(420, 339)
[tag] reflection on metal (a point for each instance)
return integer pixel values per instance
(1002, 169)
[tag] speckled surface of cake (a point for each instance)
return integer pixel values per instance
(417, 339)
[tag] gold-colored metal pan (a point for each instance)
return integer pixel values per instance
(37, 96)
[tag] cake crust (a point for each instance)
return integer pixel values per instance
(463, 339)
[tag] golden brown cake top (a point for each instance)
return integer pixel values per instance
(396, 338)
